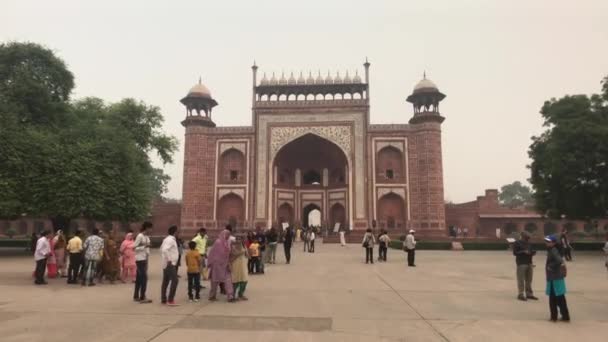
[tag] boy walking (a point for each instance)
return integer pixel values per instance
(193, 263)
(254, 252)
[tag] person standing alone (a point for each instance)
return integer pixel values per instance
(287, 241)
(368, 244)
(522, 249)
(410, 248)
(556, 285)
(169, 256)
(42, 252)
(142, 252)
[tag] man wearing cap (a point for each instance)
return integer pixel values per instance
(522, 249)
(410, 248)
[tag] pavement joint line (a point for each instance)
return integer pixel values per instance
(158, 334)
(413, 309)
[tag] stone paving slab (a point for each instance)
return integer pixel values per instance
(331, 295)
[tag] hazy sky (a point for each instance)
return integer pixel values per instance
(497, 61)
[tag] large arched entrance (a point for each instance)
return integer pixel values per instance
(307, 170)
(311, 215)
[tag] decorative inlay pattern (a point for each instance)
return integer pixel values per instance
(396, 144)
(397, 191)
(306, 120)
(280, 136)
(223, 192)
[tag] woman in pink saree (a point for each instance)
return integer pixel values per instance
(218, 261)
(127, 253)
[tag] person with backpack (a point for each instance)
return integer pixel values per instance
(368, 244)
(383, 241)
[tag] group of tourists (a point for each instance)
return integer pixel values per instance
(226, 264)
(98, 257)
(383, 241)
(555, 273)
(309, 236)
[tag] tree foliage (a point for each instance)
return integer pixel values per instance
(84, 158)
(569, 170)
(515, 195)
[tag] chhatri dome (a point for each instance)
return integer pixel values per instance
(199, 90)
(425, 86)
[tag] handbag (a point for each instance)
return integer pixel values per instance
(366, 243)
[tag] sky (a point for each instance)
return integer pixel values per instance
(497, 61)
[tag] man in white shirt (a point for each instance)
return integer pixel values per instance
(142, 252)
(311, 247)
(169, 255)
(410, 248)
(42, 252)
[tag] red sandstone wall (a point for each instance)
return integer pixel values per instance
(426, 179)
(198, 180)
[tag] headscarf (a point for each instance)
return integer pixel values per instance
(220, 252)
(127, 243)
(59, 240)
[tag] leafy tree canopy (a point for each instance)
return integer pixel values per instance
(569, 170)
(515, 195)
(84, 158)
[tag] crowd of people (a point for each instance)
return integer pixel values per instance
(231, 259)
(226, 264)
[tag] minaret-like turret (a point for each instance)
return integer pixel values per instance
(425, 98)
(199, 104)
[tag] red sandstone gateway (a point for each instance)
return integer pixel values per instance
(312, 148)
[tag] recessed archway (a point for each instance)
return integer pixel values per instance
(337, 214)
(391, 210)
(311, 215)
(230, 210)
(285, 214)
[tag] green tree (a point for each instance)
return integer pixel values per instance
(515, 195)
(569, 170)
(85, 159)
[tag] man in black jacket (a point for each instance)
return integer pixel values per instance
(522, 249)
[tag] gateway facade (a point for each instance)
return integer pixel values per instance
(312, 147)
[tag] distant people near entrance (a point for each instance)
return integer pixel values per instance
(523, 251)
(566, 248)
(556, 285)
(273, 239)
(41, 253)
(311, 240)
(288, 238)
(383, 242)
(342, 237)
(368, 244)
(306, 238)
(260, 236)
(410, 248)
(142, 253)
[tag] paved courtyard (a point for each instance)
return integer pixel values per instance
(327, 296)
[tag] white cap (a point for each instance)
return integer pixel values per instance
(412, 231)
